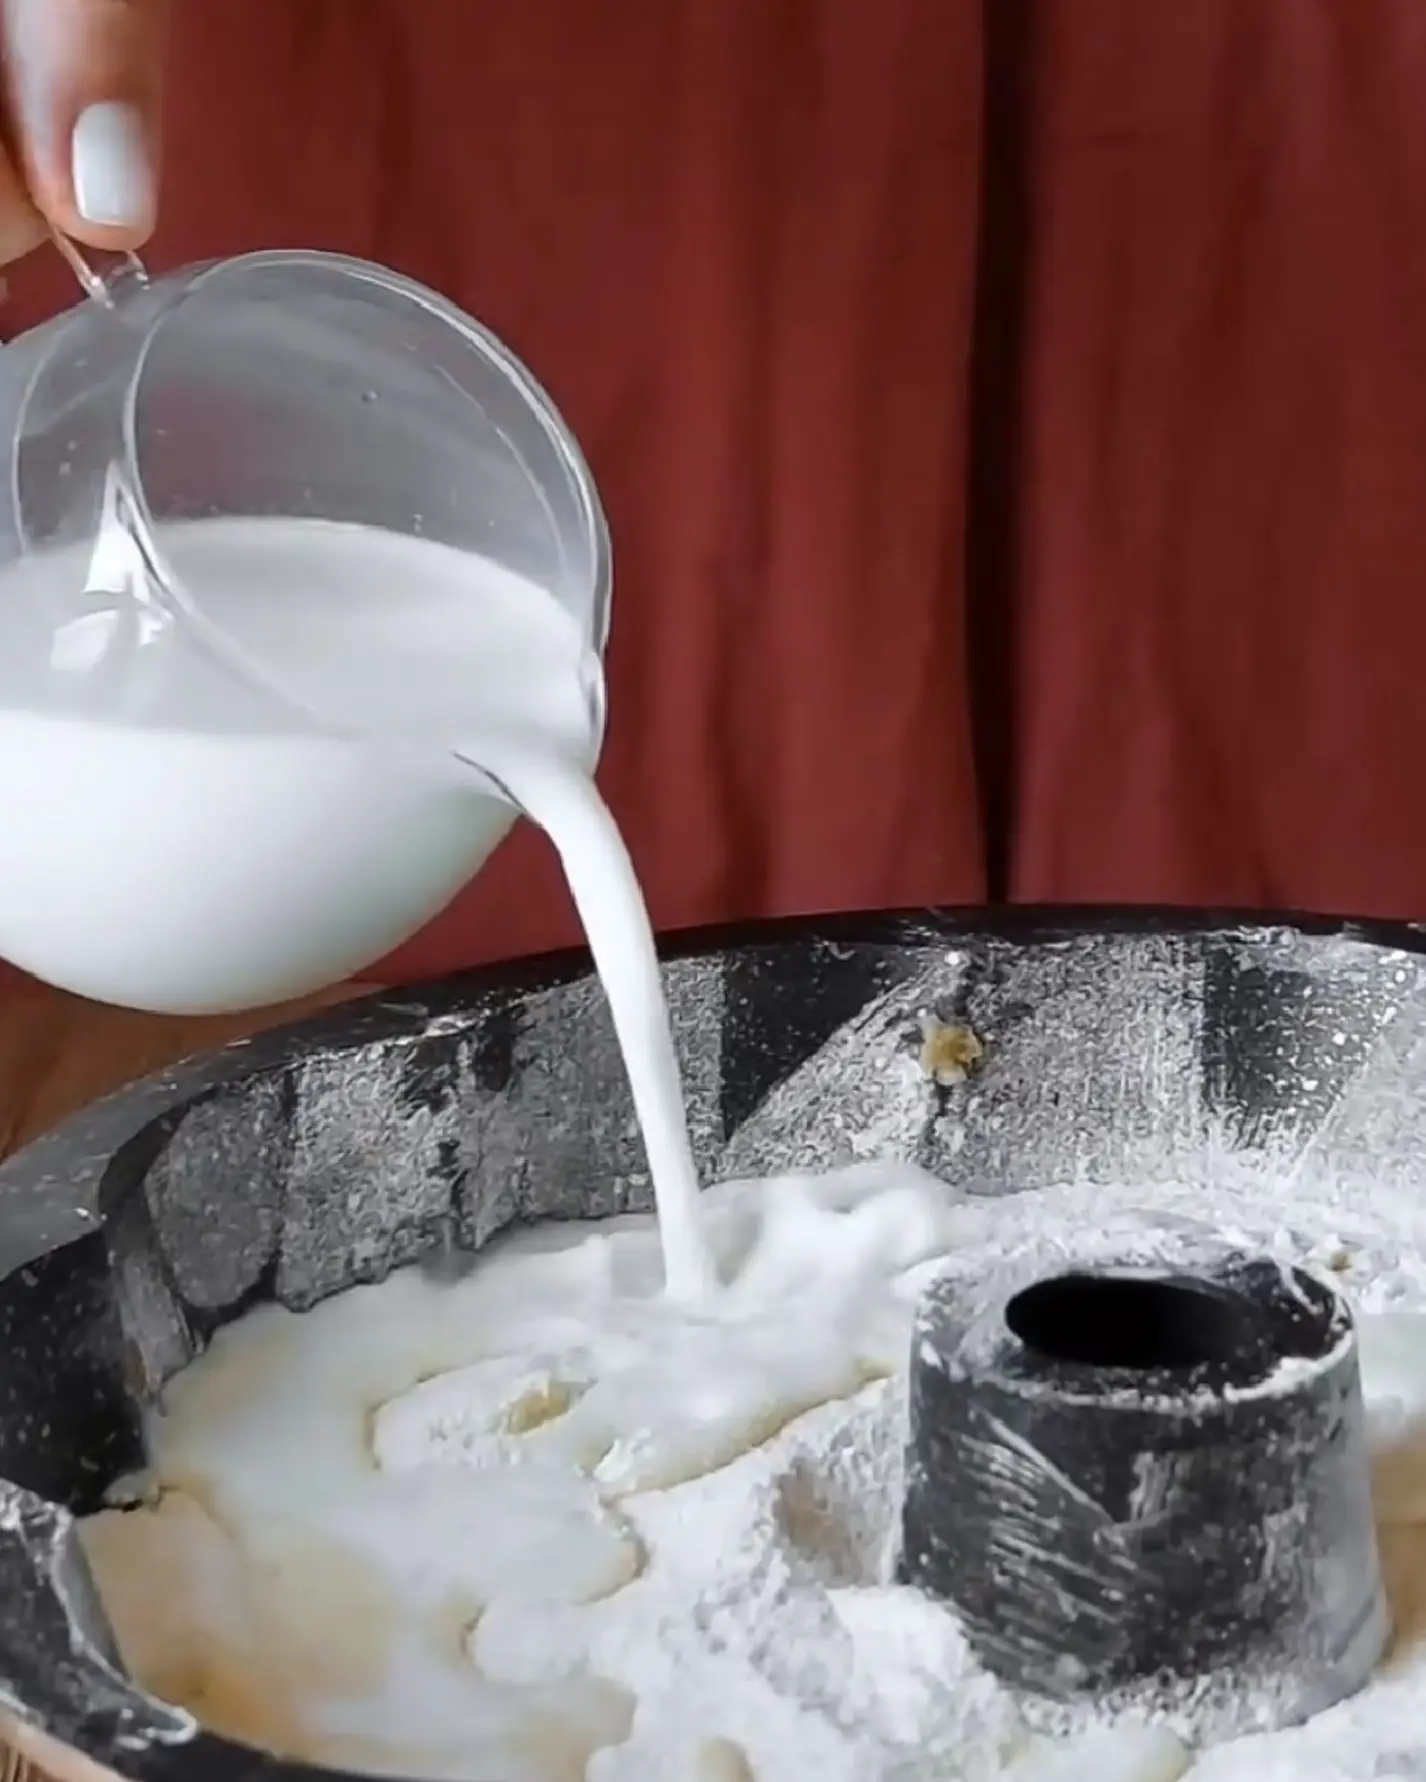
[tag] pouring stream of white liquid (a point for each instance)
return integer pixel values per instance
(451, 646)
(561, 797)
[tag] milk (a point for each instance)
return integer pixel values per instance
(611, 906)
(171, 841)
(171, 838)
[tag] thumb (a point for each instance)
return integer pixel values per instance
(83, 80)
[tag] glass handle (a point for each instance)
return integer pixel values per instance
(102, 279)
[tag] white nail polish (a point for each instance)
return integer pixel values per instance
(113, 185)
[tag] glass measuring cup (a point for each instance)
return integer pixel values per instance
(252, 842)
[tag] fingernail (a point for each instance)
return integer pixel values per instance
(113, 185)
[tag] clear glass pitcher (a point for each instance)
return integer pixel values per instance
(243, 838)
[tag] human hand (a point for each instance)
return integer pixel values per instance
(81, 97)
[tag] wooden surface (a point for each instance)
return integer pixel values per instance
(31, 1757)
(58, 1052)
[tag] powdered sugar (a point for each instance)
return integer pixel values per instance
(704, 1505)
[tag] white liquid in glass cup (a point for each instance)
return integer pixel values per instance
(282, 533)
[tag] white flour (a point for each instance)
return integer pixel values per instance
(551, 1579)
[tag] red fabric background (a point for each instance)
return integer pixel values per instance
(1122, 304)
(1222, 494)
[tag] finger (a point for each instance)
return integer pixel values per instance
(21, 225)
(84, 80)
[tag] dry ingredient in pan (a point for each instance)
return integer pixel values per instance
(547, 1523)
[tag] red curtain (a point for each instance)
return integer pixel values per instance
(1221, 499)
(1011, 413)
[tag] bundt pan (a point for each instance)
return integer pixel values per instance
(1118, 1048)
